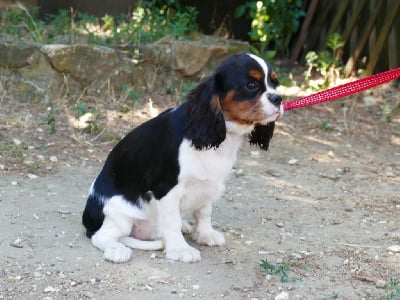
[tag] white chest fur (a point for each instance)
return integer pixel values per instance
(203, 172)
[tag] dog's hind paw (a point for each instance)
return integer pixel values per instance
(117, 253)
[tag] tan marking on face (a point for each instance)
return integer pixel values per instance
(256, 74)
(244, 111)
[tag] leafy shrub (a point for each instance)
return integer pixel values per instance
(149, 22)
(326, 60)
(273, 22)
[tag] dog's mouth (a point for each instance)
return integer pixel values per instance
(272, 117)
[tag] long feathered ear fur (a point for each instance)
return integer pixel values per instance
(262, 135)
(205, 123)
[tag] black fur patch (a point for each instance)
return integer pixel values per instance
(262, 135)
(205, 123)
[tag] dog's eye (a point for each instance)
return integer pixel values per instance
(252, 86)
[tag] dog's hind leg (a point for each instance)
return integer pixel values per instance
(119, 217)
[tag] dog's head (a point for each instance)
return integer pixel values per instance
(239, 97)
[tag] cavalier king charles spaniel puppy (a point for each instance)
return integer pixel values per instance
(175, 165)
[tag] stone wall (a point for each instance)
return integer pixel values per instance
(43, 71)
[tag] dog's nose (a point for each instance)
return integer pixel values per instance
(275, 99)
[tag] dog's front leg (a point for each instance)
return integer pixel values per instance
(204, 233)
(170, 228)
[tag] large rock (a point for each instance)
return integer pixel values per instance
(32, 72)
(26, 73)
(14, 56)
(192, 59)
(86, 63)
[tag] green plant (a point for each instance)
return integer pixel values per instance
(334, 295)
(62, 23)
(88, 24)
(81, 109)
(150, 21)
(129, 93)
(336, 44)
(21, 19)
(12, 152)
(11, 20)
(326, 60)
(394, 289)
(387, 112)
(262, 51)
(33, 25)
(51, 120)
(183, 23)
(326, 125)
(186, 88)
(273, 22)
(285, 76)
(281, 269)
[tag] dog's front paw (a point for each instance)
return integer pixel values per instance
(209, 238)
(117, 253)
(186, 254)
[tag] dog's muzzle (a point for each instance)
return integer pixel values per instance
(275, 99)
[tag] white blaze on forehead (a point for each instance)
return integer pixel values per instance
(263, 65)
(269, 108)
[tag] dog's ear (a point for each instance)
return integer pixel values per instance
(205, 123)
(262, 135)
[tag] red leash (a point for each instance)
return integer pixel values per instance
(344, 90)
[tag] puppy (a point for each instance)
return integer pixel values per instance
(175, 165)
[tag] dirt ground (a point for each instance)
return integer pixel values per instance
(321, 206)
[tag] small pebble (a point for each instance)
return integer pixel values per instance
(279, 224)
(380, 284)
(369, 101)
(273, 173)
(53, 158)
(282, 296)
(14, 182)
(17, 243)
(63, 211)
(394, 248)
(293, 161)
(32, 176)
(239, 173)
(49, 289)
(16, 141)
(255, 153)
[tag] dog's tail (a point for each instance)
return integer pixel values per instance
(141, 245)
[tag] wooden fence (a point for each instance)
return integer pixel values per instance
(369, 28)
